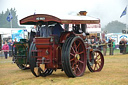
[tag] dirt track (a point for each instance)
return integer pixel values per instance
(115, 72)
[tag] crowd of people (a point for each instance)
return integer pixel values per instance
(46, 31)
(103, 45)
(100, 45)
(7, 48)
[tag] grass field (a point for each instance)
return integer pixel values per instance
(115, 72)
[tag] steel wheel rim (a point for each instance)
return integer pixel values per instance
(22, 66)
(77, 57)
(98, 61)
(32, 61)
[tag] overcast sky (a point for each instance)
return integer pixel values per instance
(105, 10)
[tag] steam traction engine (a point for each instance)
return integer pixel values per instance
(68, 51)
(20, 54)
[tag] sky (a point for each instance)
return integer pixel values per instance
(105, 10)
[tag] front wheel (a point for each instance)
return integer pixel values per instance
(74, 57)
(98, 61)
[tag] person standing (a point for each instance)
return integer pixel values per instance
(5, 48)
(93, 44)
(10, 47)
(39, 26)
(14, 47)
(125, 43)
(45, 31)
(110, 46)
(99, 45)
(122, 45)
(113, 42)
(33, 33)
(104, 47)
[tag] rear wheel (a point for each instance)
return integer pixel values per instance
(22, 66)
(74, 57)
(32, 61)
(98, 61)
(46, 72)
(36, 70)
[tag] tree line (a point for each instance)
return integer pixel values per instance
(4, 23)
(114, 27)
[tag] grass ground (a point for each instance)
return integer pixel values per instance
(115, 72)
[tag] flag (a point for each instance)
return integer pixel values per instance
(34, 13)
(124, 12)
(9, 17)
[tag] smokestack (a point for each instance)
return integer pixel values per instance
(83, 13)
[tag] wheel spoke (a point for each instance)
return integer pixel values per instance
(97, 55)
(99, 59)
(78, 69)
(72, 54)
(73, 64)
(94, 66)
(75, 46)
(73, 49)
(81, 61)
(78, 45)
(72, 59)
(75, 70)
(99, 64)
(81, 52)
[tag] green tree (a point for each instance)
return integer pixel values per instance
(115, 27)
(3, 19)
